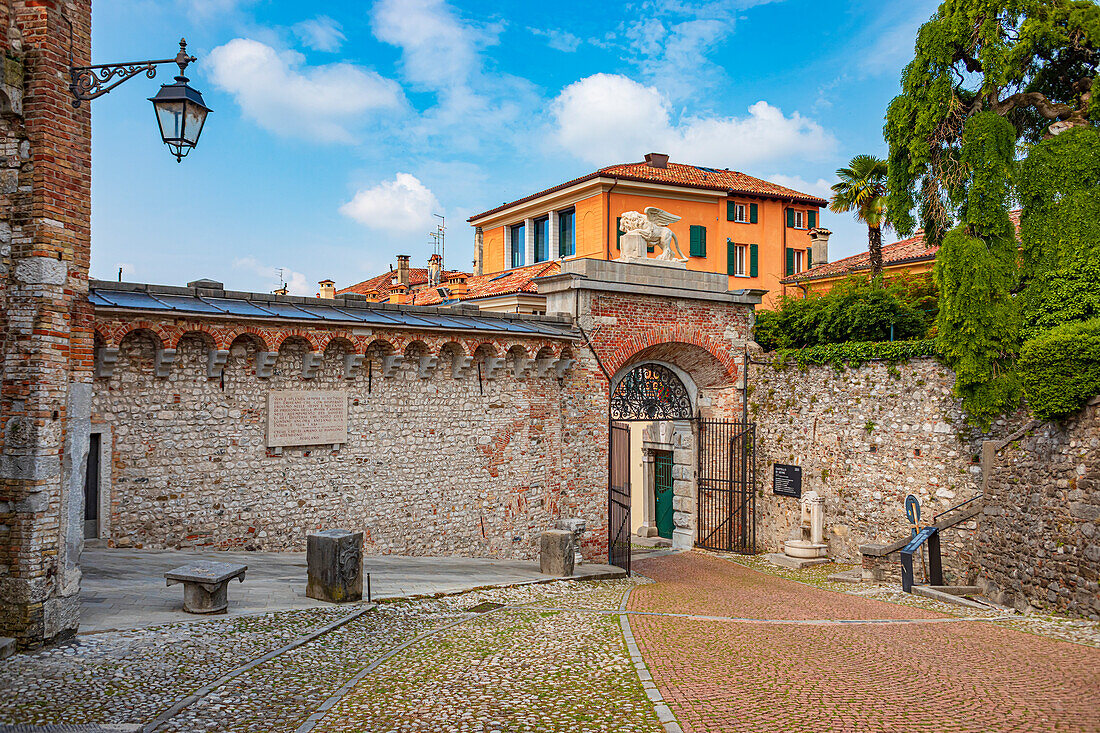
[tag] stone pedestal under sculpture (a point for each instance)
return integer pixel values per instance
(335, 565)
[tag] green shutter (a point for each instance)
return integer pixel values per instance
(790, 217)
(618, 232)
(753, 270)
(809, 257)
(790, 261)
(812, 216)
(731, 210)
(752, 213)
(731, 258)
(698, 239)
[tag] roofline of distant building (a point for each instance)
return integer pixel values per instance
(807, 276)
(806, 198)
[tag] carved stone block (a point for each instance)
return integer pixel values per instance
(163, 361)
(311, 364)
(265, 363)
(334, 560)
(556, 553)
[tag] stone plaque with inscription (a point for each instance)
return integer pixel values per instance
(307, 417)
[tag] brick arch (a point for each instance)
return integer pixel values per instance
(634, 349)
(156, 329)
(472, 345)
(208, 338)
(305, 334)
(262, 336)
(348, 341)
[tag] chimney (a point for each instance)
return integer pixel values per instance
(403, 270)
(328, 289)
(457, 285)
(656, 160)
(399, 294)
(479, 243)
(819, 245)
(435, 270)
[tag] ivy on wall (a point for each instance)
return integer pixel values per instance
(855, 353)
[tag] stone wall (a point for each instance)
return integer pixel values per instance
(433, 466)
(1039, 537)
(45, 319)
(865, 438)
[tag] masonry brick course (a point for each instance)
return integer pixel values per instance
(45, 177)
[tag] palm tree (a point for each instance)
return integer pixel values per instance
(862, 188)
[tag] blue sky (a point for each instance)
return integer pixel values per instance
(340, 128)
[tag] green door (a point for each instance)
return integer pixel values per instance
(662, 488)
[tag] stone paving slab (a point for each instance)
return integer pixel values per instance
(125, 589)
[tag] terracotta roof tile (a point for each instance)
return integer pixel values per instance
(417, 276)
(518, 280)
(679, 174)
(895, 254)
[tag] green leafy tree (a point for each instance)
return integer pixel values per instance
(862, 189)
(989, 79)
(1033, 62)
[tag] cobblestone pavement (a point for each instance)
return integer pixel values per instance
(796, 667)
(501, 659)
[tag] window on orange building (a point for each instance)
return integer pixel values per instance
(567, 233)
(800, 220)
(542, 239)
(516, 244)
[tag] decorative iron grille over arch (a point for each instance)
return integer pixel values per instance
(650, 392)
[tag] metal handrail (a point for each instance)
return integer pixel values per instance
(957, 506)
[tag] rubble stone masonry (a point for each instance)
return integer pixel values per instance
(866, 437)
(477, 465)
(1039, 537)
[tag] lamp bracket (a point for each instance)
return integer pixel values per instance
(89, 82)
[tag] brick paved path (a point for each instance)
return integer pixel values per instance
(963, 675)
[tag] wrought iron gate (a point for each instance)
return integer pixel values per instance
(727, 477)
(618, 497)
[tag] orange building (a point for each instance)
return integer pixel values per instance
(906, 257)
(752, 230)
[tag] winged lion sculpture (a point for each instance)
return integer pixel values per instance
(652, 228)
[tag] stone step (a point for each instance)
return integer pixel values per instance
(937, 592)
(7, 647)
(855, 575)
(794, 563)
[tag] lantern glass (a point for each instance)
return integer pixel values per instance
(181, 114)
(170, 117)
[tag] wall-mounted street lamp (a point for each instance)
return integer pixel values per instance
(179, 108)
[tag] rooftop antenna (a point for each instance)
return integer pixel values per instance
(120, 274)
(439, 235)
(282, 279)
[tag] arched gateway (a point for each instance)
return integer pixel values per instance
(671, 344)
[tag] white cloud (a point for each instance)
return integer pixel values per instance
(558, 39)
(439, 51)
(273, 277)
(278, 92)
(401, 205)
(820, 187)
(321, 33)
(609, 117)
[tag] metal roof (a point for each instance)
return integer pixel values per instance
(213, 302)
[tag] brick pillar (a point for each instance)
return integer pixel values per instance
(45, 319)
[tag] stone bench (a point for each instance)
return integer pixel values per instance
(205, 583)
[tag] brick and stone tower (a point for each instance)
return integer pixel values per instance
(45, 318)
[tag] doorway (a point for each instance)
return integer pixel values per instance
(91, 489)
(662, 493)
